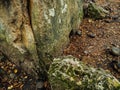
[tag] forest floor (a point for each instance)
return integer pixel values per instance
(94, 45)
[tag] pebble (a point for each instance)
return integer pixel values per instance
(10, 87)
(78, 32)
(90, 20)
(39, 85)
(115, 17)
(15, 70)
(115, 51)
(86, 52)
(12, 75)
(91, 35)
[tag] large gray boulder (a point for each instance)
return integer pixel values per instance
(52, 21)
(34, 31)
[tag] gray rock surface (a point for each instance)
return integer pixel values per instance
(52, 22)
(115, 51)
(34, 31)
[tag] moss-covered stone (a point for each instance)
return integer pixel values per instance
(68, 73)
(33, 31)
(95, 11)
(52, 21)
(16, 36)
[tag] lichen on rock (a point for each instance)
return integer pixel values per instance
(52, 22)
(37, 30)
(94, 11)
(68, 73)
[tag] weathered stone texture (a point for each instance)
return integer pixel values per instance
(49, 21)
(52, 21)
(16, 36)
(68, 73)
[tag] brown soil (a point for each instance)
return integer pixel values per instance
(91, 50)
(13, 77)
(94, 50)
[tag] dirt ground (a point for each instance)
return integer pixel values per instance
(98, 36)
(92, 47)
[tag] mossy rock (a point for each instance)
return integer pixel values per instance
(52, 22)
(68, 73)
(95, 11)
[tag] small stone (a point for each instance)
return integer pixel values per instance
(91, 35)
(115, 17)
(26, 77)
(10, 87)
(90, 20)
(85, 52)
(39, 85)
(75, 32)
(78, 32)
(12, 75)
(15, 70)
(115, 51)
